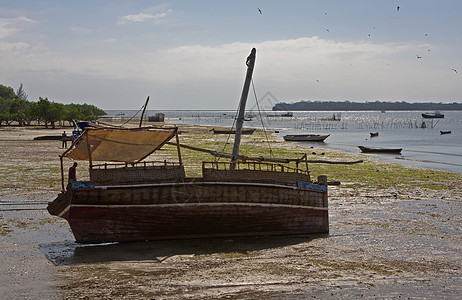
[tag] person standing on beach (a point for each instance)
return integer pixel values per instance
(73, 173)
(64, 139)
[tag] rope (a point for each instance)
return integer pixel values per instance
(229, 135)
(262, 123)
(133, 116)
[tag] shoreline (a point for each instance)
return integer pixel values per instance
(394, 232)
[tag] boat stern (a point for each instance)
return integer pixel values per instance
(60, 205)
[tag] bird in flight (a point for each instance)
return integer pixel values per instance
(259, 10)
(455, 71)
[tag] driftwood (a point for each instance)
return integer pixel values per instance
(261, 158)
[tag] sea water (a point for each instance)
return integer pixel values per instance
(421, 140)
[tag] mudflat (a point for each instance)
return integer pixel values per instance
(395, 232)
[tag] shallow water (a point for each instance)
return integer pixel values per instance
(422, 147)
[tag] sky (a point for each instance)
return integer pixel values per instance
(191, 54)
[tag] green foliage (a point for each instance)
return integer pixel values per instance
(20, 93)
(6, 92)
(14, 107)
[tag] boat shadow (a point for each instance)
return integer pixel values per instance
(72, 253)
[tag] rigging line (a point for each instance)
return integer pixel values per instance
(133, 115)
(261, 118)
(229, 134)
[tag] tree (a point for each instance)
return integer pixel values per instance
(21, 94)
(49, 112)
(6, 92)
(16, 107)
(7, 96)
(42, 109)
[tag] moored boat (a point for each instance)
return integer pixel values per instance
(445, 131)
(244, 131)
(374, 134)
(435, 115)
(380, 150)
(130, 199)
(306, 137)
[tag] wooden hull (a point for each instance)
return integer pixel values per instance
(380, 150)
(193, 210)
(306, 137)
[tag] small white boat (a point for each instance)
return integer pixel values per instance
(306, 137)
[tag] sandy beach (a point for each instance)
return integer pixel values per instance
(395, 233)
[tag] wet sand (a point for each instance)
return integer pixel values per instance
(396, 242)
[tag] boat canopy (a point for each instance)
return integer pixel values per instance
(119, 144)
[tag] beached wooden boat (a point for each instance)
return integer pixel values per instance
(244, 131)
(306, 137)
(128, 199)
(435, 115)
(380, 150)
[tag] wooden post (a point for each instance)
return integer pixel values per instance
(89, 149)
(178, 146)
(322, 179)
(62, 173)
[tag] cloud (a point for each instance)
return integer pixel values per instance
(5, 29)
(288, 68)
(143, 17)
(290, 61)
(9, 26)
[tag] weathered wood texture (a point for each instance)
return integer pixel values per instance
(200, 192)
(100, 224)
(141, 174)
(255, 176)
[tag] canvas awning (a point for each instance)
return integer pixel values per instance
(119, 144)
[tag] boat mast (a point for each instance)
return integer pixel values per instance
(144, 109)
(240, 118)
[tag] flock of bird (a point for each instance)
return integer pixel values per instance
(397, 9)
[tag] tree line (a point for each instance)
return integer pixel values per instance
(364, 106)
(15, 109)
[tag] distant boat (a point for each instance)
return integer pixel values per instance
(379, 150)
(435, 115)
(288, 114)
(306, 137)
(373, 134)
(244, 131)
(445, 131)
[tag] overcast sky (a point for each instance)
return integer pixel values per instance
(191, 54)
